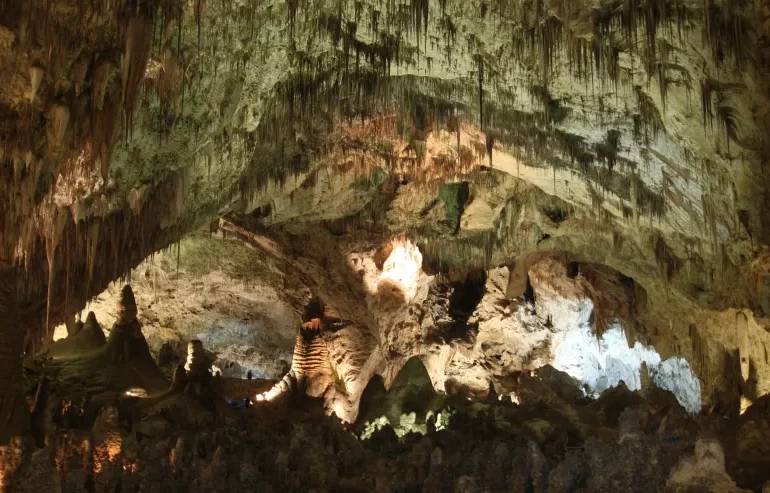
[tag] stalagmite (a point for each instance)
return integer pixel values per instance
(300, 124)
(75, 328)
(92, 331)
(310, 351)
(85, 338)
(126, 309)
(179, 379)
(198, 373)
(41, 421)
(644, 378)
(198, 364)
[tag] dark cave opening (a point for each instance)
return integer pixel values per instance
(466, 295)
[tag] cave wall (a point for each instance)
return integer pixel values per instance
(224, 88)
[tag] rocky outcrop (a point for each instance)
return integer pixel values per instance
(704, 469)
(311, 371)
(88, 338)
(311, 355)
(237, 302)
(123, 363)
(462, 446)
(746, 447)
(407, 406)
(12, 405)
(198, 364)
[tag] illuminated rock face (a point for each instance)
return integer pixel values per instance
(197, 365)
(311, 356)
(401, 270)
(470, 334)
(603, 362)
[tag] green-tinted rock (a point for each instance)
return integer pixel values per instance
(454, 196)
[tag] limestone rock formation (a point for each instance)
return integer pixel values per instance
(198, 365)
(311, 356)
(558, 208)
(126, 311)
(407, 405)
(90, 337)
(705, 469)
(745, 446)
(123, 363)
(311, 372)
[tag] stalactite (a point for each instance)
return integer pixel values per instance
(744, 344)
(318, 82)
(700, 355)
(52, 239)
(662, 81)
(728, 122)
(59, 117)
(101, 75)
(104, 131)
(92, 244)
(168, 87)
(35, 78)
(667, 260)
(79, 70)
(480, 64)
(420, 11)
(67, 278)
(180, 21)
(133, 63)
(292, 6)
(706, 102)
(490, 145)
(198, 13)
(635, 202)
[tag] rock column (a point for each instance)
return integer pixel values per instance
(14, 412)
(197, 365)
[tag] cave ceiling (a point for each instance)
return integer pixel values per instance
(628, 133)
